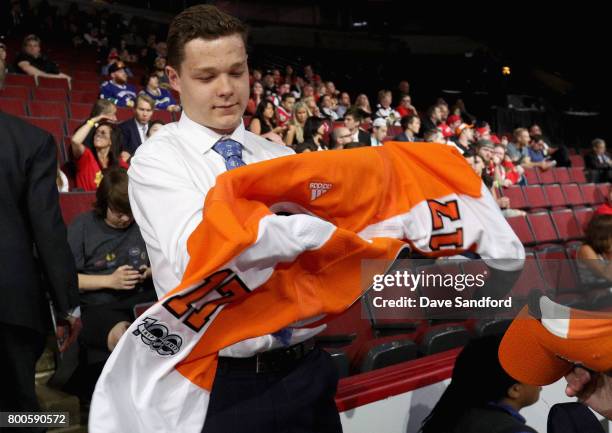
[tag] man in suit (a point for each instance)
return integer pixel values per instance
(598, 162)
(135, 130)
(352, 120)
(34, 258)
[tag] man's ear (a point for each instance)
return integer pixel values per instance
(173, 78)
(514, 391)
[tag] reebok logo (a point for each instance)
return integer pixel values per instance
(317, 189)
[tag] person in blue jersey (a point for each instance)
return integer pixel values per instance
(117, 88)
(162, 97)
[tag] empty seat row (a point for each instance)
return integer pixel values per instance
(556, 195)
(537, 176)
(540, 228)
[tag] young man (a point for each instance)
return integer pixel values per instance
(285, 109)
(379, 132)
(352, 120)
(135, 130)
(32, 62)
(411, 126)
(117, 88)
(170, 176)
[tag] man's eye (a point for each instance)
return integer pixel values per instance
(237, 73)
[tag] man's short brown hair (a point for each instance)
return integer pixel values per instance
(146, 98)
(202, 21)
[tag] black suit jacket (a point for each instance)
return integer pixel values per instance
(131, 137)
(591, 161)
(363, 137)
(31, 225)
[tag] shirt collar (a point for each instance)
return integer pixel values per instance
(205, 138)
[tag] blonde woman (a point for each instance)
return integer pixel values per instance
(295, 134)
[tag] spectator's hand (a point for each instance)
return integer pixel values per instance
(124, 278)
(503, 202)
(65, 76)
(507, 183)
(129, 103)
(145, 273)
(172, 108)
(594, 390)
(110, 118)
(67, 330)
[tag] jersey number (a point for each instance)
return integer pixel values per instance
(186, 306)
(449, 210)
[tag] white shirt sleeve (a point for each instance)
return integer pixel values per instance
(166, 205)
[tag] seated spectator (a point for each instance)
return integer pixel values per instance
(306, 146)
(295, 133)
(89, 165)
(384, 110)
(313, 108)
(307, 91)
(314, 130)
(536, 156)
(557, 153)
(506, 173)
(481, 396)
(478, 165)
(432, 119)
(101, 110)
(363, 103)
(326, 107)
(31, 61)
(134, 130)
(379, 132)
(484, 148)
(113, 272)
(310, 75)
(330, 89)
(113, 57)
(403, 89)
(159, 67)
(256, 97)
(405, 108)
(352, 120)
(269, 86)
(264, 120)
(162, 98)
(117, 90)
(464, 137)
(411, 126)
(599, 162)
(344, 103)
(154, 126)
(517, 150)
(454, 121)
(340, 137)
(435, 136)
(595, 255)
(285, 109)
(5, 68)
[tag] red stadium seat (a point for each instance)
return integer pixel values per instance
(577, 175)
(20, 92)
(164, 116)
(516, 196)
(583, 216)
(53, 83)
(572, 194)
(577, 161)
(531, 175)
(566, 225)
(47, 109)
(14, 106)
(84, 96)
(53, 125)
(542, 226)
(546, 176)
(74, 203)
(591, 194)
(536, 197)
(554, 195)
(19, 80)
(561, 175)
(43, 94)
(557, 270)
(80, 111)
(85, 76)
(73, 125)
(521, 227)
(530, 279)
(604, 190)
(124, 113)
(86, 86)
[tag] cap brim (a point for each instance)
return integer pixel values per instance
(524, 358)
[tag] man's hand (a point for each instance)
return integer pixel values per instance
(591, 389)
(145, 273)
(124, 278)
(67, 331)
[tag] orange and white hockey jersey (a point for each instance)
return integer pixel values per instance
(253, 272)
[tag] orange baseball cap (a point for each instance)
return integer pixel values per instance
(547, 340)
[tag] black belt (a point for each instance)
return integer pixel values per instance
(275, 360)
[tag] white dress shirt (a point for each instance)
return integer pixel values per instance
(169, 177)
(142, 130)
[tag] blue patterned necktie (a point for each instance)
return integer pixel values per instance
(231, 151)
